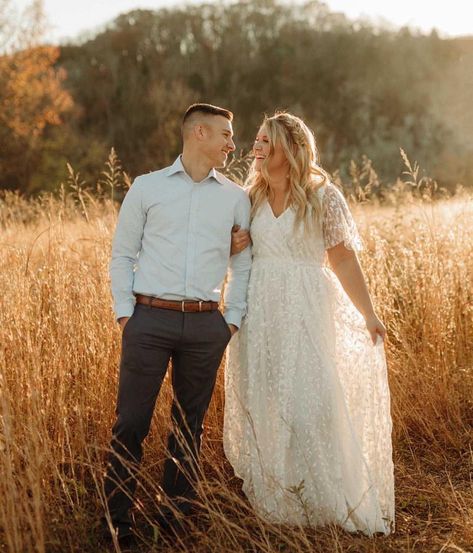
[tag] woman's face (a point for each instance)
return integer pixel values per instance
(262, 150)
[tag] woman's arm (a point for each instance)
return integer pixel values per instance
(345, 265)
(241, 239)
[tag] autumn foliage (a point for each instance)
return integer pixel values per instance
(31, 98)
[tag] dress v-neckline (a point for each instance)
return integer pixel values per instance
(277, 217)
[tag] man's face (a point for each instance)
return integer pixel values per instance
(218, 140)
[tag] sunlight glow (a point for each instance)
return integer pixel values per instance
(72, 17)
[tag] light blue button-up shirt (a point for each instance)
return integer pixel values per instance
(173, 240)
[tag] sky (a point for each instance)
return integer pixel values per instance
(68, 18)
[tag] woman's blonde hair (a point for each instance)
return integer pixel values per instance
(305, 175)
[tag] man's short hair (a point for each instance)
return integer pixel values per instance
(207, 109)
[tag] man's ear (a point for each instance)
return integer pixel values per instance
(200, 132)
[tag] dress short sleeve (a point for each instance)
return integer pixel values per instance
(338, 225)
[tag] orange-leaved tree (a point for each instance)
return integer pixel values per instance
(31, 94)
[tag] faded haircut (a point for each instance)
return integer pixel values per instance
(203, 109)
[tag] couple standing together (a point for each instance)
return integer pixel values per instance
(307, 413)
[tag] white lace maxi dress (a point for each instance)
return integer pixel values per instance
(307, 410)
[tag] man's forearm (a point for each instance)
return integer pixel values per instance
(121, 276)
(125, 249)
(237, 287)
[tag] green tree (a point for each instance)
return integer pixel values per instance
(363, 89)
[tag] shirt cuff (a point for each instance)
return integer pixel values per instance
(233, 317)
(124, 310)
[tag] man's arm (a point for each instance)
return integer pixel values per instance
(238, 271)
(125, 249)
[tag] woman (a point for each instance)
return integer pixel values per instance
(307, 414)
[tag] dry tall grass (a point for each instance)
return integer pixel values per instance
(59, 349)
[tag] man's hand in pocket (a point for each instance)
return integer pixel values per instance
(122, 322)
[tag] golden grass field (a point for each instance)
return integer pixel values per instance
(59, 351)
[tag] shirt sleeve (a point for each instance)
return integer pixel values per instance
(126, 246)
(238, 270)
(338, 225)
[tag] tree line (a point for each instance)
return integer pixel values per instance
(363, 89)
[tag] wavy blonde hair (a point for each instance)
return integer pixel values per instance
(305, 174)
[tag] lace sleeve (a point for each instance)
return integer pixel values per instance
(337, 223)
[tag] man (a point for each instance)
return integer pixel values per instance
(170, 254)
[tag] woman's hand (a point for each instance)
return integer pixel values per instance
(345, 265)
(375, 327)
(240, 240)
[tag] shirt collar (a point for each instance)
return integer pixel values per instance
(177, 167)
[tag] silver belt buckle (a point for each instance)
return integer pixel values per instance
(182, 306)
(200, 305)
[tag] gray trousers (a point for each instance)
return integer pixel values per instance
(195, 342)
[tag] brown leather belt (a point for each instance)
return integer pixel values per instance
(186, 306)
